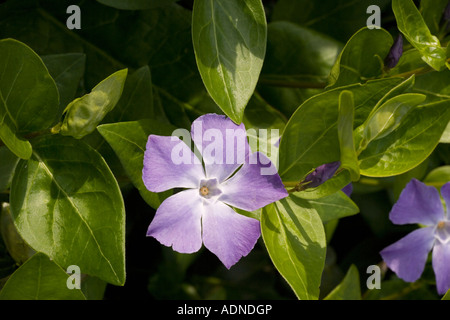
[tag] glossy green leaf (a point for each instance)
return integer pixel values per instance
(446, 296)
(436, 85)
(18, 249)
(229, 38)
(411, 23)
(389, 115)
(410, 144)
(30, 95)
(334, 206)
(8, 162)
(349, 288)
(8, 134)
(350, 67)
(84, 114)
(128, 140)
(349, 159)
(135, 4)
(39, 279)
(310, 136)
(67, 70)
(66, 203)
(446, 135)
(295, 239)
(438, 176)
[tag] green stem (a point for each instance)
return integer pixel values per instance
(414, 286)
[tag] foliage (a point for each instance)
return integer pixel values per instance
(77, 107)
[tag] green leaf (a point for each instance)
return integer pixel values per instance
(446, 296)
(446, 135)
(30, 96)
(389, 115)
(39, 279)
(66, 203)
(297, 53)
(295, 239)
(264, 125)
(229, 38)
(329, 187)
(84, 114)
(410, 144)
(438, 176)
(8, 135)
(18, 249)
(432, 11)
(349, 159)
(67, 69)
(362, 57)
(411, 23)
(136, 101)
(8, 162)
(128, 140)
(136, 4)
(334, 206)
(339, 19)
(310, 137)
(349, 288)
(295, 56)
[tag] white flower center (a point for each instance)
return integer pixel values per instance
(209, 189)
(443, 231)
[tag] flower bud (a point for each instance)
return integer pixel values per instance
(395, 53)
(321, 174)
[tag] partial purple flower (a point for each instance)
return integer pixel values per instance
(321, 174)
(395, 53)
(348, 189)
(447, 13)
(421, 204)
(202, 213)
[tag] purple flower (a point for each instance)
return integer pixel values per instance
(202, 213)
(419, 203)
(348, 189)
(395, 53)
(321, 174)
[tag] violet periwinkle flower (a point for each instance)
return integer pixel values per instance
(395, 53)
(419, 203)
(321, 174)
(202, 212)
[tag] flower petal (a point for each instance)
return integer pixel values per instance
(169, 163)
(445, 191)
(227, 234)
(418, 203)
(407, 257)
(441, 265)
(348, 189)
(222, 143)
(254, 186)
(321, 174)
(177, 222)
